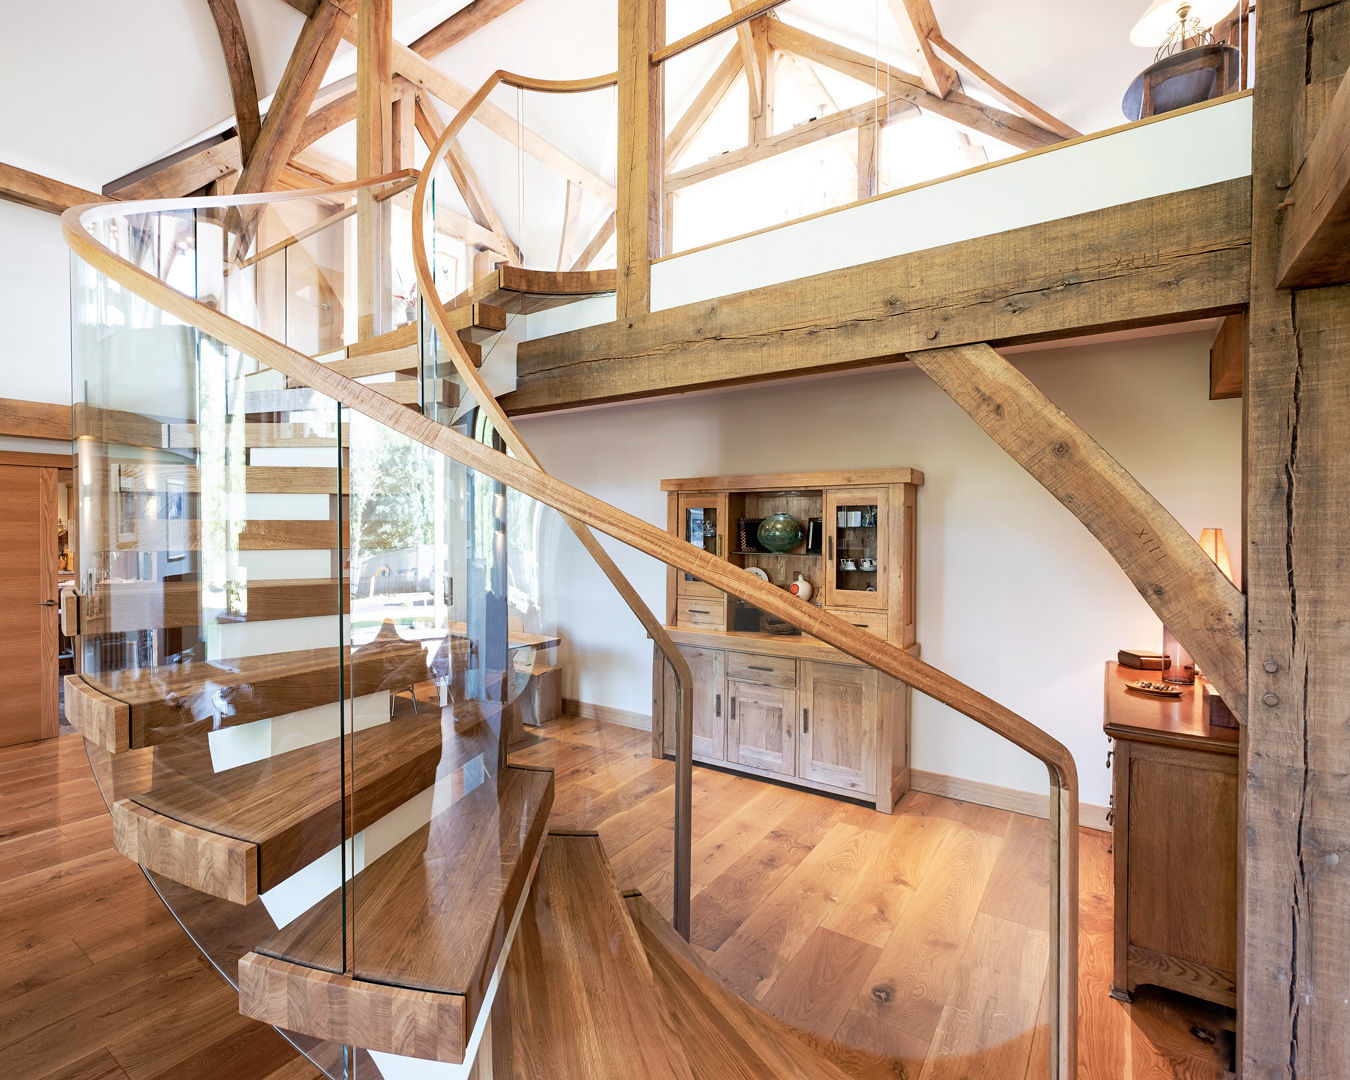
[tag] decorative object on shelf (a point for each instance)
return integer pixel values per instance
(746, 536)
(801, 588)
(1140, 659)
(1189, 65)
(1154, 689)
(758, 572)
(815, 537)
(869, 517)
(780, 533)
(847, 564)
(774, 625)
(868, 564)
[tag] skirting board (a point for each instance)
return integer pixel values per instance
(606, 714)
(1090, 816)
(1002, 798)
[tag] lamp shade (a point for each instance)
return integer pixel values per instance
(1213, 543)
(1153, 25)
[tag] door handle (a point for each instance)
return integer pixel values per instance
(733, 708)
(806, 722)
(46, 603)
(717, 706)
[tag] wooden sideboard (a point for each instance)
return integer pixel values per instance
(790, 707)
(1175, 835)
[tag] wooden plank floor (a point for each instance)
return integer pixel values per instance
(97, 980)
(912, 945)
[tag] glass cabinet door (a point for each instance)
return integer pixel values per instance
(703, 524)
(857, 555)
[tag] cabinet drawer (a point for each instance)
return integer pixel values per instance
(874, 622)
(764, 670)
(700, 612)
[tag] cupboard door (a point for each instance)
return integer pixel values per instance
(838, 740)
(702, 522)
(709, 667)
(857, 553)
(761, 733)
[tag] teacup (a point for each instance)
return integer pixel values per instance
(869, 564)
(847, 564)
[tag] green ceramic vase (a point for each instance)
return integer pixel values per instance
(779, 533)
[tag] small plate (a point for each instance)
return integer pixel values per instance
(758, 572)
(1154, 689)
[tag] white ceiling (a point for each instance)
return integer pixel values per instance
(109, 86)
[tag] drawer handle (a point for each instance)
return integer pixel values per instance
(758, 667)
(806, 722)
(861, 625)
(717, 706)
(699, 611)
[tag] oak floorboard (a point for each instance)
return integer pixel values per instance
(97, 980)
(933, 849)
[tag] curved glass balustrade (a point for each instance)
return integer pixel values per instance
(326, 629)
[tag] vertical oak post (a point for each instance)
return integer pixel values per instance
(374, 157)
(642, 28)
(1294, 960)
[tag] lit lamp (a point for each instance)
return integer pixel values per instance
(1180, 667)
(1189, 66)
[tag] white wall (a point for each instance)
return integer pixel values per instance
(34, 306)
(1014, 596)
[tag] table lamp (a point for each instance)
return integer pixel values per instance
(1172, 25)
(1180, 667)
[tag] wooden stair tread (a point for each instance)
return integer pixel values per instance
(522, 291)
(290, 805)
(258, 479)
(184, 699)
(150, 605)
(432, 913)
(735, 1040)
(586, 1003)
(473, 322)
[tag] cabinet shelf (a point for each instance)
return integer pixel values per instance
(781, 554)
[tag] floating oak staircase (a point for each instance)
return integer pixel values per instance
(432, 890)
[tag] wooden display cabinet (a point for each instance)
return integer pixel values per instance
(790, 707)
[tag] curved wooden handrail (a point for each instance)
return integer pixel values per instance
(473, 380)
(527, 478)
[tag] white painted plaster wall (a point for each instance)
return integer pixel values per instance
(1014, 596)
(34, 306)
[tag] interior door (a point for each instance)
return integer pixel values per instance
(838, 739)
(28, 609)
(709, 667)
(761, 732)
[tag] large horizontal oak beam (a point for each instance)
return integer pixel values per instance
(1170, 258)
(42, 192)
(1185, 589)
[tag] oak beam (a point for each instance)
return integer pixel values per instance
(957, 107)
(1228, 358)
(639, 206)
(1315, 241)
(705, 103)
(475, 195)
(597, 244)
(1190, 594)
(34, 419)
(802, 135)
(918, 25)
(1170, 258)
(1024, 105)
(426, 76)
(468, 20)
(374, 157)
(1294, 944)
(309, 61)
(42, 192)
(239, 66)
